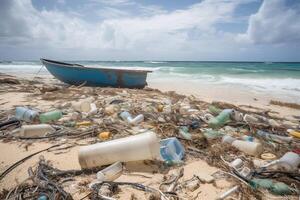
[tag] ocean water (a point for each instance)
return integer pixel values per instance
(253, 75)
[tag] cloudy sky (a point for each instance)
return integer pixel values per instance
(252, 30)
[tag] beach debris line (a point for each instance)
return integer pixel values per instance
(112, 127)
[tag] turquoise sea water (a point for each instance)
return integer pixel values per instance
(257, 75)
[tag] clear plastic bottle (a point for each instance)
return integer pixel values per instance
(126, 116)
(274, 137)
(35, 130)
(111, 172)
(26, 114)
(250, 148)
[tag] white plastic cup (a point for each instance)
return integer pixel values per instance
(144, 146)
(289, 161)
(250, 148)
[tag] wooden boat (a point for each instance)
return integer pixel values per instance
(76, 74)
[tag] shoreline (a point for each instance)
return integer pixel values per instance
(209, 92)
(237, 95)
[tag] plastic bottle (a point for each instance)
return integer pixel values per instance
(221, 119)
(171, 149)
(133, 148)
(25, 114)
(214, 110)
(248, 138)
(228, 139)
(295, 134)
(83, 105)
(126, 116)
(184, 132)
(237, 163)
(277, 188)
(93, 109)
(237, 116)
(35, 130)
(250, 148)
(289, 161)
(50, 116)
(250, 119)
(111, 172)
(274, 137)
(212, 134)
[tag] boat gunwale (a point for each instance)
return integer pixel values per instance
(78, 66)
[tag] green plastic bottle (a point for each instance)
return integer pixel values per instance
(261, 183)
(214, 110)
(221, 119)
(50, 116)
(277, 188)
(184, 132)
(281, 189)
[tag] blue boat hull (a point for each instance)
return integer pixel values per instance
(103, 77)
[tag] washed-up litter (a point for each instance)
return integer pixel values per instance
(35, 130)
(115, 126)
(133, 148)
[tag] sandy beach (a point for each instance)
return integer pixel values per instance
(148, 173)
(237, 95)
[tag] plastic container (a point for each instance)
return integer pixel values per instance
(50, 116)
(228, 139)
(93, 109)
(274, 137)
(295, 134)
(104, 135)
(82, 106)
(171, 149)
(133, 148)
(221, 119)
(214, 110)
(184, 132)
(237, 163)
(126, 116)
(250, 119)
(237, 116)
(25, 114)
(212, 134)
(248, 138)
(289, 161)
(250, 148)
(111, 172)
(35, 130)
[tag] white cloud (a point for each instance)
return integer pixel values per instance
(58, 29)
(152, 33)
(114, 2)
(275, 22)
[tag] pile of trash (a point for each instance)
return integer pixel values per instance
(258, 150)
